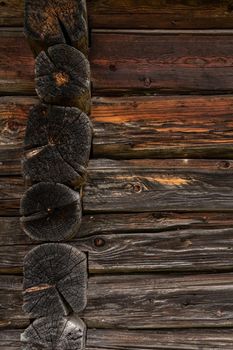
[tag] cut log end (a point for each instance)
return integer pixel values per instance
(60, 333)
(63, 77)
(51, 212)
(55, 279)
(57, 144)
(49, 23)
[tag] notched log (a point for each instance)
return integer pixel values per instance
(62, 77)
(50, 22)
(55, 280)
(57, 145)
(51, 212)
(60, 333)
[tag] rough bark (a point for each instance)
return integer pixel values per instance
(50, 22)
(50, 212)
(62, 77)
(55, 278)
(60, 333)
(57, 145)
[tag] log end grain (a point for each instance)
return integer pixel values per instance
(50, 212)
(61, 333)
(62, 77)
(55, 280)
(57, 145)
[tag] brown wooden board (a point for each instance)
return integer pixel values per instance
(133, 62)
(112, 339)
(135, 127)
(147, 14)
(137, 242)
(125, 301)
(143, 185)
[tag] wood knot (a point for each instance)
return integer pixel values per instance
(225, 164)
(137, 188)
(61, 78)
(99, 242)
(112, 68)
(147, 82)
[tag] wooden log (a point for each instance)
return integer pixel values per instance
(54, 22)
(66, 333)
(133, 62)
(62, 77)
(145, 301)
(147, 14)
(135, 127)
(179, 185)
(112, 339)
(147, 242)
(57, 144)
(55, 280)
(50, 212)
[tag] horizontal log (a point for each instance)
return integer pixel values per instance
(134, 62)
(191, 242)
(180, 185)
(112, 339)
(147, 14)
(135, 127)
(141, 301)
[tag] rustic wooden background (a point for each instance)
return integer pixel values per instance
(158, 224)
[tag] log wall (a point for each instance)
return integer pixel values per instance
(157, 225)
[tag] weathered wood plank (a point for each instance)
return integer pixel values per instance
(164, 185)
(135, 62)
(113, 339)
(187, 243)
(147, 14)
(135, 127)
(125, 301)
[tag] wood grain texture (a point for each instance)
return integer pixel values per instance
(112, 339)
(135, 127)
(125, 301)
(55, 280)
(47, 23)
(180, 185)
(135, 62)
(147, 14)
(138, 243)
(50, 212)
(67, 333)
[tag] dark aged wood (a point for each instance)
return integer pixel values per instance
(62, 77)
(135, 62)
(113, 339)
(57, 145)
(115, 224)
(138, 242)
(50, 212)
(55, 277)
(180, 185)
(140, 127)
(147, 14)
(125, 301)
(62, 333)
(47, 23)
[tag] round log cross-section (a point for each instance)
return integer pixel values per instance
(51, 212)
(50, 22)
(57, 144)
(55, 278)
(55, 333)
(62, 77)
